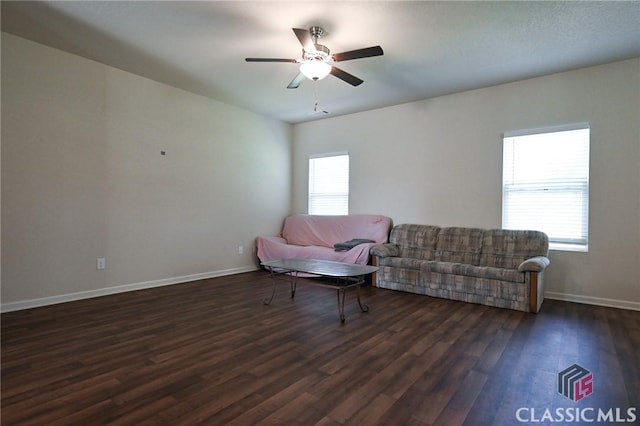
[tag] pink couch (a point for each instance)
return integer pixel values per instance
(313, 237)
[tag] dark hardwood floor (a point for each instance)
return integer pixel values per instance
(209, 352)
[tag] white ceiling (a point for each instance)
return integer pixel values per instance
(430, 48)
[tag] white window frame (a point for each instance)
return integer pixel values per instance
(329, 188)
(547, 193)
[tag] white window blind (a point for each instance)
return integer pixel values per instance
(329, 185)
(545, 185)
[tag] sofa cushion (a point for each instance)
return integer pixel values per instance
(415, 241)
(505, 248)
(274, 248)
(502, 274)
(459, 245)
(325, 231)
(402, 262)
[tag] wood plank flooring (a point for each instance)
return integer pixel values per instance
(209, 352)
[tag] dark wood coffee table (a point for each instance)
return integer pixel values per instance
(347, 275)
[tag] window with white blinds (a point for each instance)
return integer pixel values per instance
(329, 185)
(545, 185)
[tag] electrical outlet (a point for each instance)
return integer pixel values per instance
(240, 249)
(101, 263)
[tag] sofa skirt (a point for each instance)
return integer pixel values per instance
(484, 291)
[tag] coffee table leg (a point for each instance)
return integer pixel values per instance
(363, 308)
(294, 279)
(293, 283)
(341, 294)
(273, 292)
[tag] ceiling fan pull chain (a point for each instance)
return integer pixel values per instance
(315, 93)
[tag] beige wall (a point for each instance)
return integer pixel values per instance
(438, 161)
(82, 174)
(83, 177)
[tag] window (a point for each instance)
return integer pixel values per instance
(545, 185)
(329, 185)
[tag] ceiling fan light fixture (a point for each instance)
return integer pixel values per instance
(315, 69)
(317, 61)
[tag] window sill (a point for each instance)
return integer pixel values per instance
(568, 247)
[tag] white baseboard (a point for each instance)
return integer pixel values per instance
(52, 300)
(600, 301)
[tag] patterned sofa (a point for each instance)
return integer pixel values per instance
(494, 267)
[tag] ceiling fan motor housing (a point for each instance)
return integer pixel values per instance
(316, 32)
(322, 53)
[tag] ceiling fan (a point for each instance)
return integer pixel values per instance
(317, 61)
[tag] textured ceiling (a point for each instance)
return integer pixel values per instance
(430, 48)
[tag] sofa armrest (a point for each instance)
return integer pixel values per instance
(385, 250)
(534, 264)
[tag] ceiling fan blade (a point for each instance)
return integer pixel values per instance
(305, 39)
(296, 81)
(270, 60)
(345, 76)
(367, 52)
